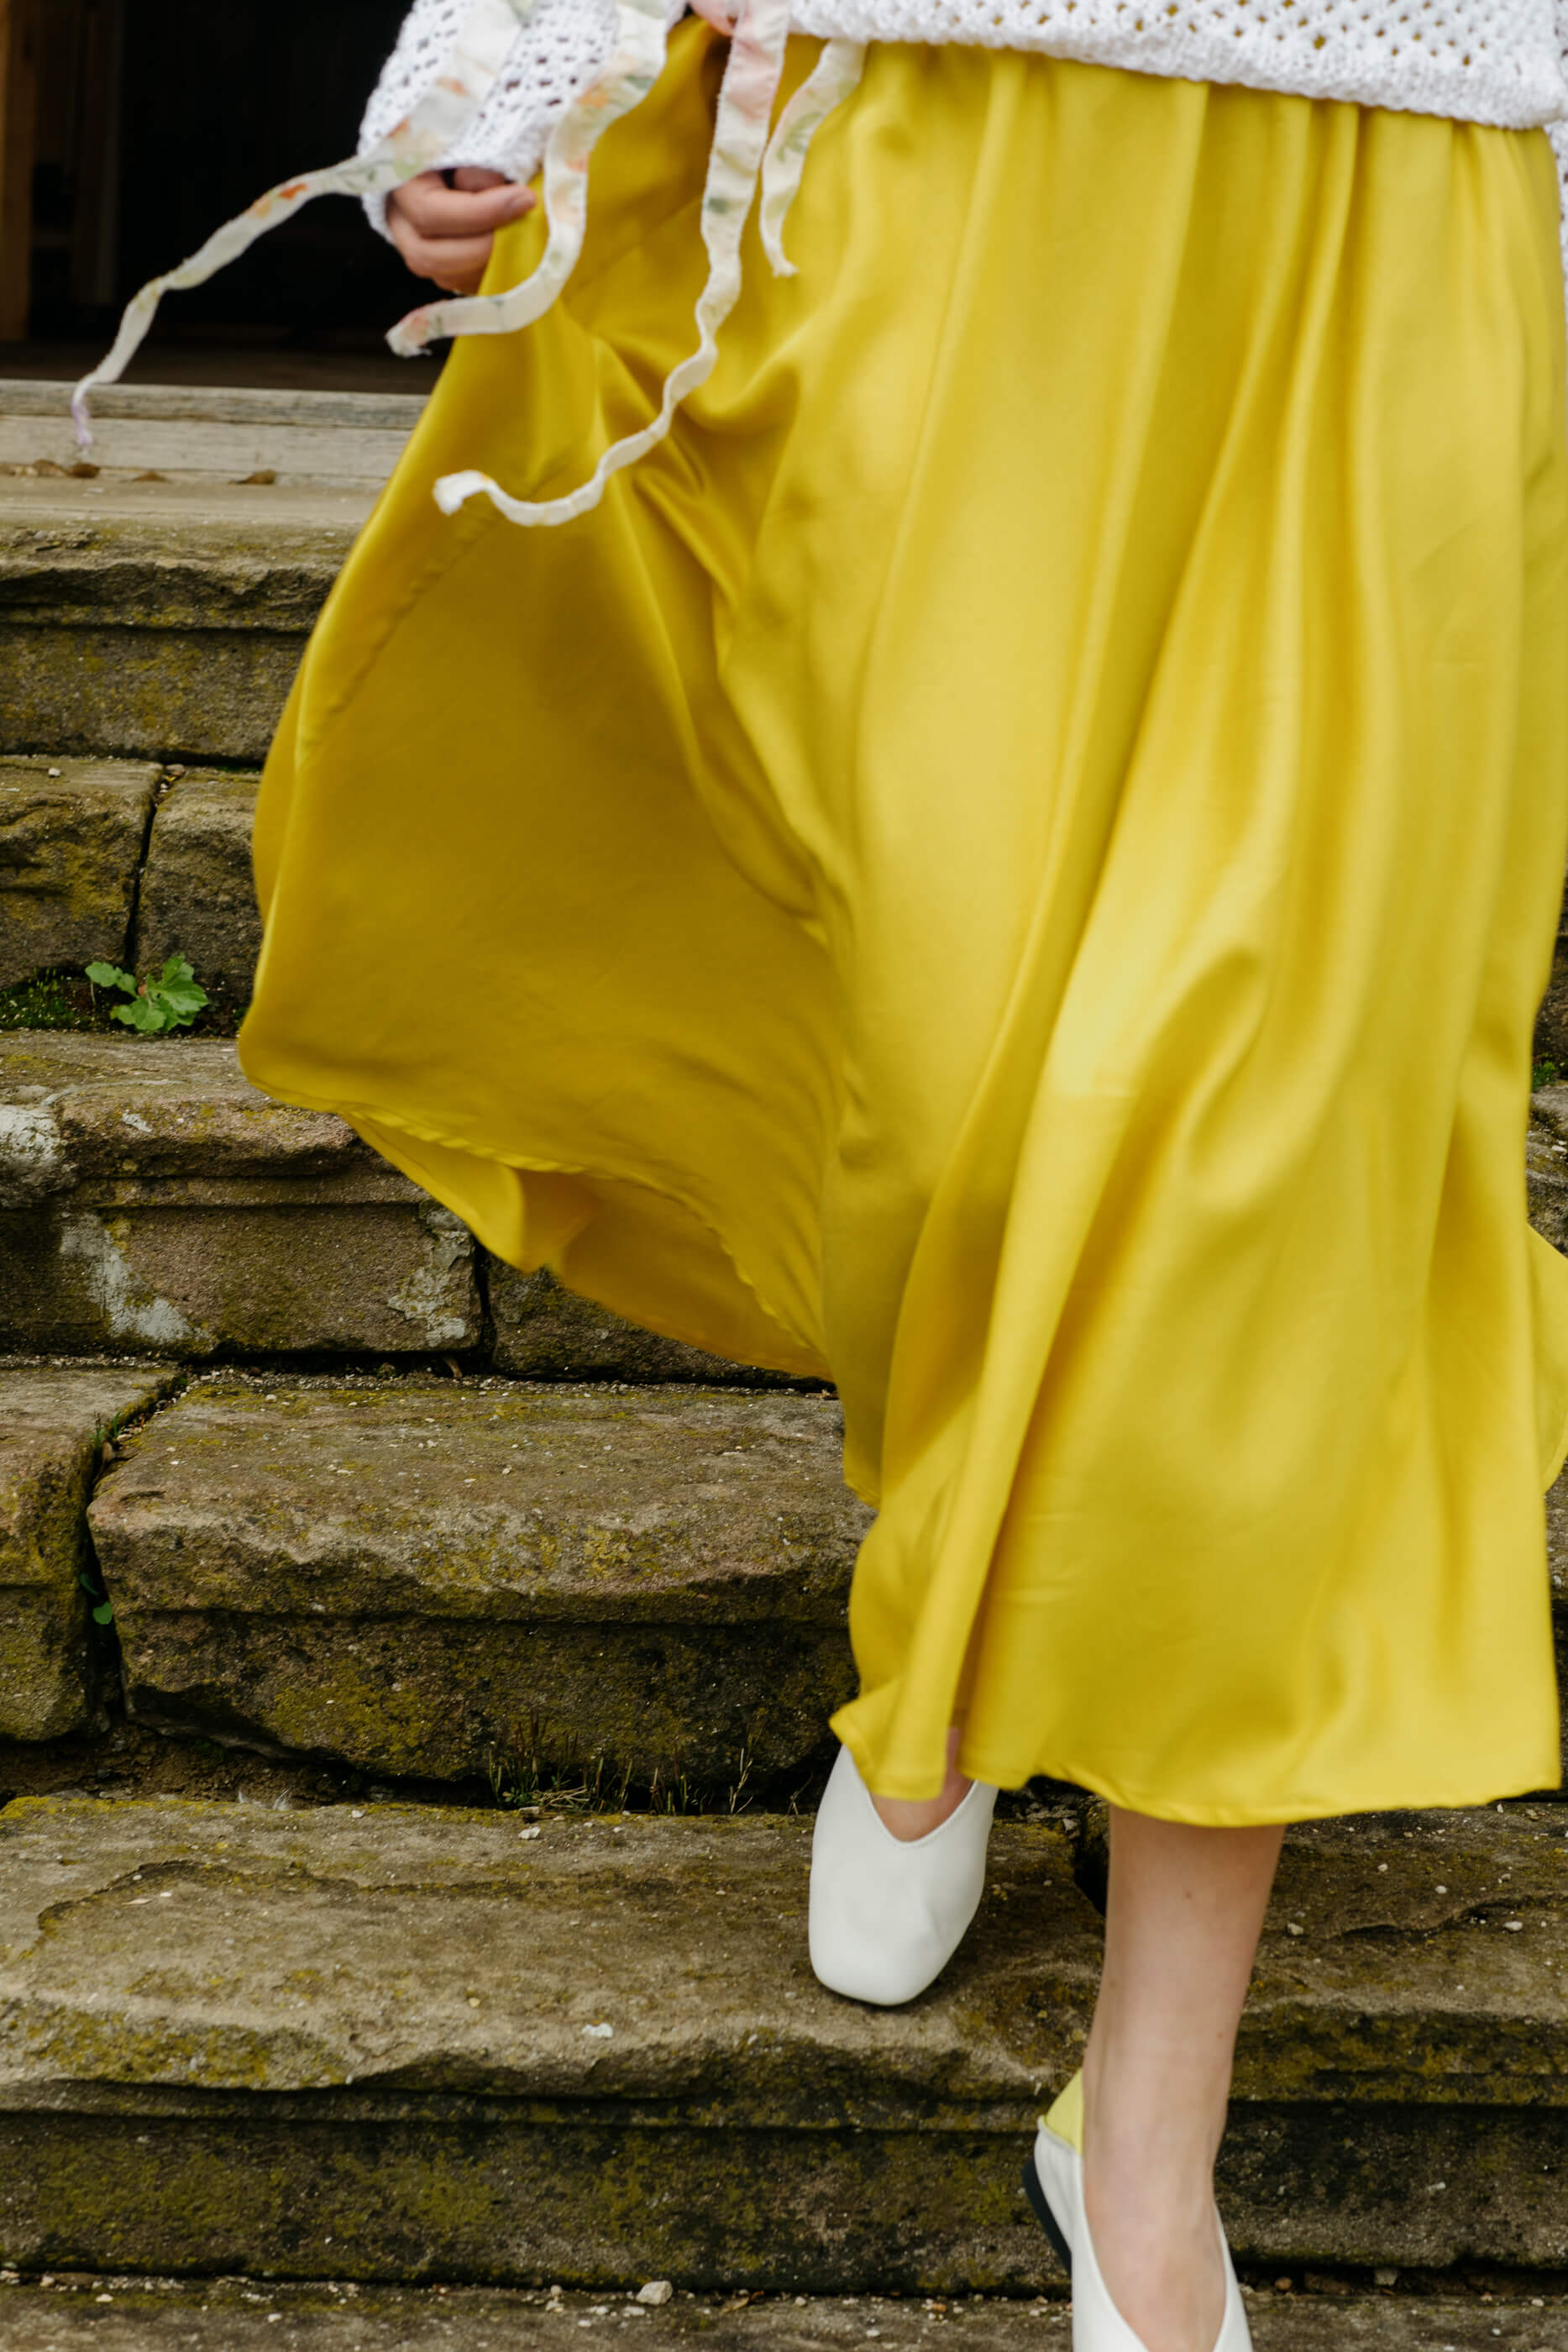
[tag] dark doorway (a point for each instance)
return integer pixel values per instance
(156, 120)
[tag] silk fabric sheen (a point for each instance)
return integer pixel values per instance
(1011, 863)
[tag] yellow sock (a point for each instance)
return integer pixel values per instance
(1066, 2118)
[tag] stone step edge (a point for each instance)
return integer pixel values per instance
(114, 2312)
(257, 438)
(749, 1565)
(106, 1142)
(39, 396)
(579, 2052)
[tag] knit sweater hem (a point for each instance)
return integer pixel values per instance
(1417, 76)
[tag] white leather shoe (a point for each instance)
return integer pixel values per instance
(1053, 2179)
(887, 1914)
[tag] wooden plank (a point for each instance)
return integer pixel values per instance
(18, 93)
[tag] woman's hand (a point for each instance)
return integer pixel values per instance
(446, 233)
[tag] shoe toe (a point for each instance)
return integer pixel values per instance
(886, 1916)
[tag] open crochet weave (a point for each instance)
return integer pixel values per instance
(510, 83)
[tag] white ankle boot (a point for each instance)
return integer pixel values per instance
(886, 1914)
(1053, 2179)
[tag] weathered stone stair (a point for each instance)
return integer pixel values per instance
(165, 616)
(151, 1198)
(137, 2314)
(419, 1578)
(408, 2043)
(362, 1501)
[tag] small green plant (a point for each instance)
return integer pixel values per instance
(103, 1607)
(1545, 1074)
(170, 998)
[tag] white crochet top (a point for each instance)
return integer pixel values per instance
(556, 55)
(1497, 61)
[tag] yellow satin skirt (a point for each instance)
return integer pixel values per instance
(1011, 863)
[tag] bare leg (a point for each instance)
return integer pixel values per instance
(1182, 1922)
(909, 1817)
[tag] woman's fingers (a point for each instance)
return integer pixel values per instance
(458, 263)
(445, 233)
(431, 209)
(719, 14)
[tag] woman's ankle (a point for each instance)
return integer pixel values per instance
(1152, 2118)
(1183, 1909)
(1150, 2209)
(908, 1818)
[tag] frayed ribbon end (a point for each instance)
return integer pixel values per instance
(411, 337)
(455, 490)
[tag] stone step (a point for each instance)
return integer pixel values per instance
(417, 1576)
(151, 1198)
(1551, 1021)
(54, 1425)
(446, 1581)
(420, 2044)
(118, 2314)
(155, 600)
(208, 433)
(73, 833)
(161, 620)
(1557, 1567)
(1546, 1162)
(195, 895)
(65, 1100)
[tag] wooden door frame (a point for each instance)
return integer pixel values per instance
(16, 127)
(96, 232)
(18, 97)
